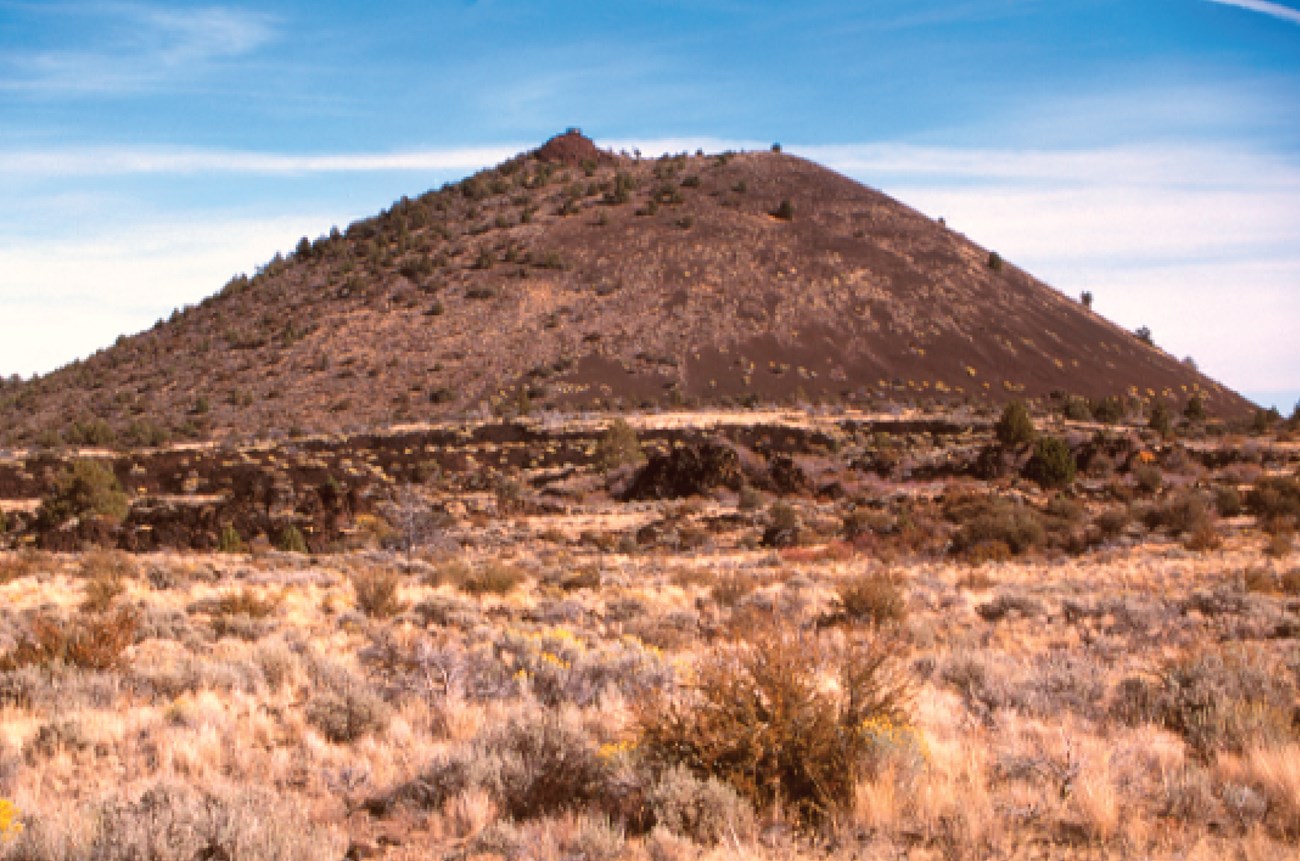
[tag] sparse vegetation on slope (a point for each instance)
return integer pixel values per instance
(607, 281)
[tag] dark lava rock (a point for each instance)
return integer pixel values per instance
(691, 470)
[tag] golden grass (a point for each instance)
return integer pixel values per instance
(1027, 765)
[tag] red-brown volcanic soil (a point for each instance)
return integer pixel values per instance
(573, 278)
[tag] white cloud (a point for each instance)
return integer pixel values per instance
(138, 47)
(124, 161)
(62, 298)
(1277, 10)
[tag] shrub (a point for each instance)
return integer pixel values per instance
(1160, 420)
(1227, 500)
(728, 589)
(1195, 409)
(618, 446)
(984, 521)
(1015, 427)
(1113, 521)
(622, 190)
(1224, 700)
(229, 540)
(1204, 537)
(173, 821)
(348, 712)
(86, 488)
(784, 211)
(761, 718)
(93, 432)
(90, 641)
(1181, 513)
(706, 811)
(1264, 420)
(783, 524)
(534, 764)
(1108, 410)
(377, 592)
(246, 602)
(544, 764)
(101, 591)
(290, 540)
(1148, 477)
(1274, 496)
(873, 598)
(21, 564)
(1052, 464)
(749, 498)
(1077, 410)
(493, 578)
(995, 261)
(1279, 545)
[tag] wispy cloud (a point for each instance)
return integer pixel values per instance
(137, 47)
(140, 160)
(62, 297)
(1277, 10)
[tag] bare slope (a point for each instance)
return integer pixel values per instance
(586, 278)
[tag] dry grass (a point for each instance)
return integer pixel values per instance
(1131, 702)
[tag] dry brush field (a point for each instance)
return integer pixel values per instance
(876, 668)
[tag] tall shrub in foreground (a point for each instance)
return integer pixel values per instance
(763, 719)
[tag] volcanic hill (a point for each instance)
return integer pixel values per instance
(573, 277)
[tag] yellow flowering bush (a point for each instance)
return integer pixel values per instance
(10, 821)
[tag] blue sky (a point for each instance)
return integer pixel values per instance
(1146, 151)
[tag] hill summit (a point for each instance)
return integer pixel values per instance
(574, 277)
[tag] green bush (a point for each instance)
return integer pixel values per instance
(1052, 464)
(1108, 410)
(618, 446)
(92, 432)
(290, 540)
(1077, 410)
(784, 211)
(86, 488)
(1015, 427)
(229, 540)
(1160, 419)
